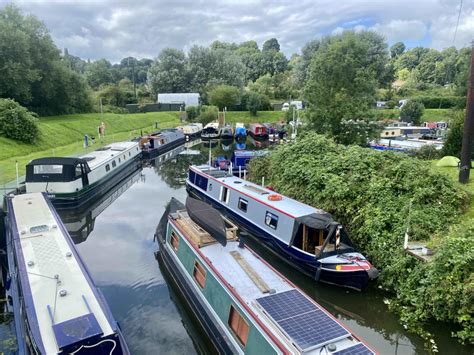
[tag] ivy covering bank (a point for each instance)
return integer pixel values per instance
(371, 193)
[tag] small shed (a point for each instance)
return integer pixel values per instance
(188, 99)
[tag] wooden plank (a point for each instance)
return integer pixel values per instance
(249, 270)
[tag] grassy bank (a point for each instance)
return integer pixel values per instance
(64, 135)
(429, 115)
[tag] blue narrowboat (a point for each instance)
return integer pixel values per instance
(56, 305)
(305, 237)
(242, 303)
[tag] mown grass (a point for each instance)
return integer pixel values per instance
(64, 135)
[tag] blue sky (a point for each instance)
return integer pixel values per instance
(115, 29)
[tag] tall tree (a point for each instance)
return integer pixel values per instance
(169, 72)
(342, 83)
(224, 96)
(98, 73)
(271, 45)
(397, 49)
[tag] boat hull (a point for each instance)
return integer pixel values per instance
(153, 153)
(304, 263)
(92, 192)
(217, 336)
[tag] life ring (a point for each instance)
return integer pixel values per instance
(275, 197)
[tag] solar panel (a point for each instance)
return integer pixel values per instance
(358, 349)
(304, 322)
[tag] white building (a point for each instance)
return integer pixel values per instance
(189, 99)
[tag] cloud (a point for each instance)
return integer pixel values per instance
(115, 29)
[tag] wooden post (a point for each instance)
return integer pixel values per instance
(468, 134)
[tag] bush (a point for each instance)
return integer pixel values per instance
(391, 104)
(427, 152)
(370, 192)
(254, 102)
(453, 144)
(193, 112)
(17, 123)
(412, 112)
(442, 101)
(208, 114)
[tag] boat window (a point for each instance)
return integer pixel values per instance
(225, 195)
(48, 169)
(238, 325)
(199, 274)
(78, 171)
(129, 154)
(271, 220)
(120, 160)
(107, 167)
(114, 164)
(243, 204)
(174, 241)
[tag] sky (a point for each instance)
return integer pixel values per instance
(113, 29)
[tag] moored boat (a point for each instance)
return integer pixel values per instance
(258, 131)
(211, 131)
(227, 133)
(192, 130)
(239, 160)
(75, 181)
(303, 236)
(57, 307)
(161, 142)
(242, 303)
(240, 131)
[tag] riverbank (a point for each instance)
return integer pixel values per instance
(378, 195)
(64, 135)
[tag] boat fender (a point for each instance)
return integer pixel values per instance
(275, 197)
(317, 276)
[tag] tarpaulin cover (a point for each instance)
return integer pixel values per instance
(207, 218)
(314, 220)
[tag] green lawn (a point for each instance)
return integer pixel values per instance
(64, 135)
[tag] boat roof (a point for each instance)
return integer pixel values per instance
(250, 153)
(73, 161)
(45, 253)
(276, 302)
(286, 205)
(101, 155)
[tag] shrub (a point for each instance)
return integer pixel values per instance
(427, 152)
(254, 102)
(17, 123)
(453, 143)
(391, 104)
(371, 193)
(193, 112)
(208, 114)
(412, 112)
(442, 101)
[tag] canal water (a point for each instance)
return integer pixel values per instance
(115, 237)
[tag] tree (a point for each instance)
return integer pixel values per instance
(169, 72)
(302, 67)
(412, 112)
(453, 143)
(33, 72)
(98, 73)
(254, 102)
(17, 123)
(271, 45)
(224, 96)
(342, 84)
(397, 49)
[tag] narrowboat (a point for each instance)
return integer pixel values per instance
(211, 131)
(239, 160)
(258, 131)
(227, 133)
(242, 303)
(240, 132)
(303, 236)
(80, 222)
(76, 181)
(161, 142)
(57, 307)
(191, 131)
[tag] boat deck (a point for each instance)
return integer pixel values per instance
(60, 290)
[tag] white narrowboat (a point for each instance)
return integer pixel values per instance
(191, 131)
(57, 307)
(75, 181)
(305, 237)
(242, 303)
